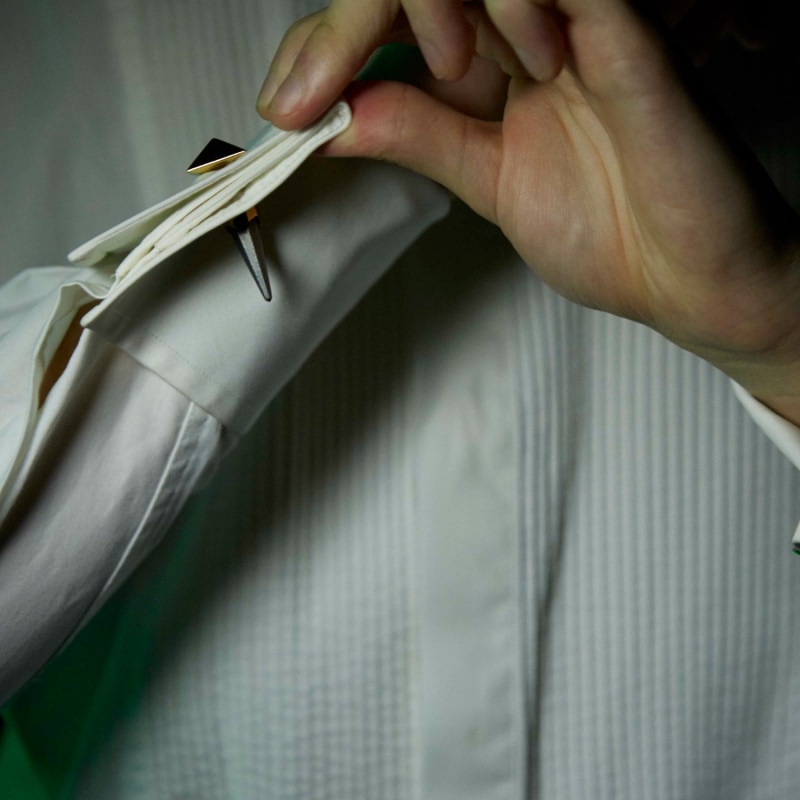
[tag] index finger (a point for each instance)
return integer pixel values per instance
(331, 47)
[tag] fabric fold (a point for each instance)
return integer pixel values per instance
(181, 333)
(213, 198)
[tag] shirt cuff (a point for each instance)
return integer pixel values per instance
(782, 433)
(197, 320)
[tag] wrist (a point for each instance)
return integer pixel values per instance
(787, 406)
(772, 380)
(761, 352)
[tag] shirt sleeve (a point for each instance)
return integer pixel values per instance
(782, 433)
(174, 365)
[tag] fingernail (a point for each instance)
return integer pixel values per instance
(434, 59)
(533, 62)
(288, 96)
(268, 89)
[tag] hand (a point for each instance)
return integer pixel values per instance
(609, 178)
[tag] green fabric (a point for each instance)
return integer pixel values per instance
(18, 778)
(65, 715)
(51, 718)
(395, 62)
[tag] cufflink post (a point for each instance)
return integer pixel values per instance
(244, 228)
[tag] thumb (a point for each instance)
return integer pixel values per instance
(398, 123)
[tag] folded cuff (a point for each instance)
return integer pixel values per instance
(197, 319)
(782, 433)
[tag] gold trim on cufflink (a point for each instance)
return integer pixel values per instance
(214, 155)
(244, 227)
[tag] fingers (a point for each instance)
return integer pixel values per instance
(284, 59)
(399, 123)
(322, 53)
(481, 93)
(444, 35)
(491, 45)
(617, 56)
(319, 56)
(531, 28)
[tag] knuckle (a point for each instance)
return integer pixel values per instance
(303, 25)
(380, 141)
(331, 45)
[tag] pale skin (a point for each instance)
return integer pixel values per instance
(569, 125)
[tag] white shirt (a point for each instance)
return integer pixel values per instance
(484, 544)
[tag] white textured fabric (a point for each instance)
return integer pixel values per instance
(215, 355)
(485, 544)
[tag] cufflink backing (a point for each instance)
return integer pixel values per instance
(244, 228)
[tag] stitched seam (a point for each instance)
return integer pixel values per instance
(152, 335)
(162, 501)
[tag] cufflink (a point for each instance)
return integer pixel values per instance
(244, 228)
